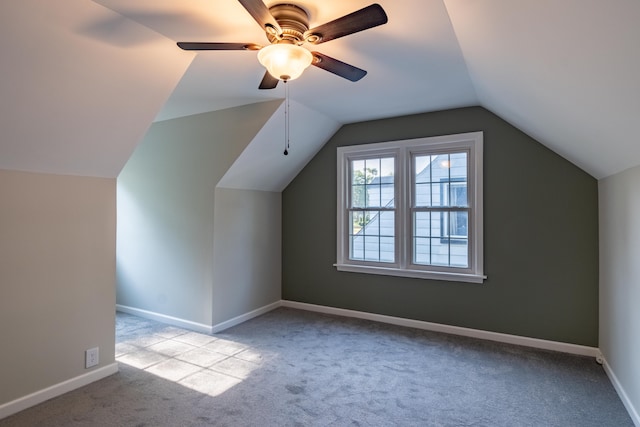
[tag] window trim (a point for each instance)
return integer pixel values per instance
(403, 151)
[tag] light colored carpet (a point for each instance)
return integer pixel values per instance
(295, 368)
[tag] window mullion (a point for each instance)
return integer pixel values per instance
(402, 230)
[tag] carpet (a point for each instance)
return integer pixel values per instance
(296, 368)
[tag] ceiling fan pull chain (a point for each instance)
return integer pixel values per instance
(286, 118)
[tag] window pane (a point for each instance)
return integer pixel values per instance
(453, 193)
(421, 169)
(421, 241)
(356, 247)
(436, 194)
(372, 169)
(387, 224)
(358, 189)
(371, 248)
(440, 167)
(387, 166)
(422, 195)
(373, 193)
(437, 220)
(387, 194)
(357, 220)
(421, 251)
(422, 224)
(458, 193)
(458, 224)
(358, 198)
(459, 252)
(458, 168)
(387, 249)
(372, 226)
(357, 172)
(439, 252)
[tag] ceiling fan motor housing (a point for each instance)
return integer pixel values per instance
(294, 22)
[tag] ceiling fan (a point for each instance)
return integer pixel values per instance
(287, 29)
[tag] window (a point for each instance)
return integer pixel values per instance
(412, 208)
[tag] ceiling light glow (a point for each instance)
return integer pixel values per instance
(285, 61)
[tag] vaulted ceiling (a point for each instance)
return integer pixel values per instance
(83, 80)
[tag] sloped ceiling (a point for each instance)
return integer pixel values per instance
(262, 165)
(83, 80)
(75, 98)
(565, 72)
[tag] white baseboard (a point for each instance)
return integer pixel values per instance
(447, 329)
(633, 412)
(56, 390)
(244, 317)
(159, 317)
(194, 326)
(418, 324)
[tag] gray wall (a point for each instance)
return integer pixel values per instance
(247, 252)
(541, 238)
(57, 275)
(620, 279)
(167, 208)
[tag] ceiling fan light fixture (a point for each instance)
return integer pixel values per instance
(285, 61)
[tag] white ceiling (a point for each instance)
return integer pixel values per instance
(83, 80)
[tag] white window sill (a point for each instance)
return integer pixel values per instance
(416, 274)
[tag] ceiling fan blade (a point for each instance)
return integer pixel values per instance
(368, 17)
(261, 14)
(217, 46)
(338, 68)
(268, 82)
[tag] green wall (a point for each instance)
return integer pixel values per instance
(540, 238)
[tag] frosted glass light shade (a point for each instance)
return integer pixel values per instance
(285, 61)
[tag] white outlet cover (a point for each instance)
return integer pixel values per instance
(91, 357)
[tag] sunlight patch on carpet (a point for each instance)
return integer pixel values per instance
(201, 362)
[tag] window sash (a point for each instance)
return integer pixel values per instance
(457, 247)
(359, 247)
(369, 243)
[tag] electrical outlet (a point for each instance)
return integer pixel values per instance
(91, 357)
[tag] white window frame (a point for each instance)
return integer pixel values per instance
(403, 151)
